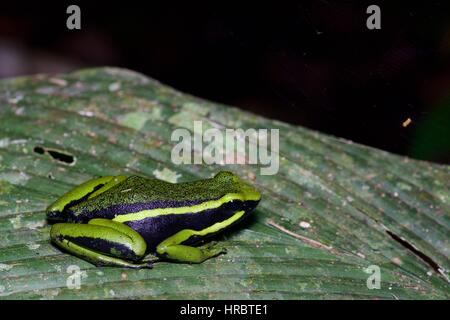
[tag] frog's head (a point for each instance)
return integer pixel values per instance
(233, 185)
(235, 192)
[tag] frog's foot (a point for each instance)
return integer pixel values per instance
(214, 246)
(107, 261)
(151, 259)
(102, 242)
(141, 265)
(182, 253)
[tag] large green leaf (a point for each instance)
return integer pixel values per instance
(334, 209)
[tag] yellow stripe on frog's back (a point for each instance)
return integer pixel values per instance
(212, 204)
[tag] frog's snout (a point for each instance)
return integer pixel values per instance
(250, 192)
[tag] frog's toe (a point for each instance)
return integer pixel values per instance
(151, 259)
(214, 249)
(215, 245)
(143, 265)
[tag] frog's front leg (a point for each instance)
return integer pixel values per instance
(102, 242)
(172, 248)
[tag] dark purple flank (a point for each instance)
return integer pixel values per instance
(119, 209)
(156, 229)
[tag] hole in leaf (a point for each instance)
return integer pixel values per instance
(58, 155)
(39, 150)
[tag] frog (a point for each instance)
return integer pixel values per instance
(122, 220)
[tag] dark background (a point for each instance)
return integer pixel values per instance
(312, 63)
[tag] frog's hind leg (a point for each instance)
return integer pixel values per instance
(86, 190)
(172, 248)
(108, 184)
(102, 242)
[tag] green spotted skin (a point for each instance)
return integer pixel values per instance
(137, 189)
(116, 220)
